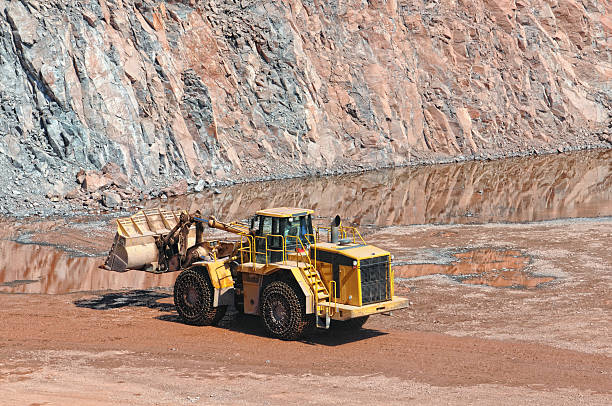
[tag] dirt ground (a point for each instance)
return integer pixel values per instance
(463, 340)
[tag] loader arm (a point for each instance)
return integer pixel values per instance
(234, 227)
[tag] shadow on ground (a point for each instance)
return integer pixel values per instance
(252, 325)
(233, 320)
(132, 298)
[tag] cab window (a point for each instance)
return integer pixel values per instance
(299, 226)
(265, 225)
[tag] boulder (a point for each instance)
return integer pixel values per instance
(80, 176)
(200, 186)
(73, 194)
(111, 199)
(95, 180)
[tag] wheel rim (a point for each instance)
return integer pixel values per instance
(191, 296)
(278, 312)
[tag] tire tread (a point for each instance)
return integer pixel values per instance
(207, 315)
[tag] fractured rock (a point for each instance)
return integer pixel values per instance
(111, 199)
(174, 90)
(94, 181)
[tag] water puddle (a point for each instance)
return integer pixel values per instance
(482, 266)
(26, 268)
(510, 190)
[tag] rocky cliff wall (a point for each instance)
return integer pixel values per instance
(227, 89)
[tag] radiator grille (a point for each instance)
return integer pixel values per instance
(375, 284)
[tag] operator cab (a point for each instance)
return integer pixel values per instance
(282, 225)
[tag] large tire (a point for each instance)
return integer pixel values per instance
(283, 311)
(193, 298)
(351, 324)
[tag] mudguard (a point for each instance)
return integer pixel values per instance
(222, 281)
(299, 278)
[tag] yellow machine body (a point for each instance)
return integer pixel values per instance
(220, 276)
(340, 278)
(336, 278)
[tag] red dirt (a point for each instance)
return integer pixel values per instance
(456, 344)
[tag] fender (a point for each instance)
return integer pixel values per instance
(299, 278)
(295, 274)
(222, 281)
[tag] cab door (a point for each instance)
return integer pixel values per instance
(263, 227)
(268, 243)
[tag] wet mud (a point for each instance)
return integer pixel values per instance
(28, 268)
(483, 266)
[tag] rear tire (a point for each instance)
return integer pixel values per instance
(283, 312)
(193, 298)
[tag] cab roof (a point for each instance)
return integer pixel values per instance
(284, 212)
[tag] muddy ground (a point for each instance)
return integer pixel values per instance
(509, 280)
(479, 330)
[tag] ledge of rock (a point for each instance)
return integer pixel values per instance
(241, 90)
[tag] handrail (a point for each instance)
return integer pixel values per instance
(313, 245)
(265, 252)
(298, 239)
(324, 228)
(312, 278)
(332, 296)
(355, 232)
(314, 238)
(316, 278)
(242, 250)
(314, 285)
(344, 232)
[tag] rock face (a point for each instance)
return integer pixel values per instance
(227, 89)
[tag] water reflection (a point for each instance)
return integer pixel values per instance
(482, 266)
(511, 190)
(39, 269)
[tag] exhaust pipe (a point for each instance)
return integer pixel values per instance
(335, 229)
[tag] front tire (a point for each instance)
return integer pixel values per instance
(193, 298)
(283, 311)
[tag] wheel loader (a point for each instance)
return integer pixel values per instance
(295, 276)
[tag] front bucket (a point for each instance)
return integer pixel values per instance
(134, 245)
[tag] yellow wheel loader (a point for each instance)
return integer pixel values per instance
(277, 266)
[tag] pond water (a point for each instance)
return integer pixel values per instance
(512, 190)
(481, 266)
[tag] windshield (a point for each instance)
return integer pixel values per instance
(300, 226)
